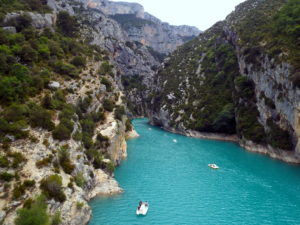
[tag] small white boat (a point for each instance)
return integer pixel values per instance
(214, 166)
(174, 140)
(142, 209)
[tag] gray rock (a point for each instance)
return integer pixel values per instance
(10, 29)
(162, 37)
(39, 21)
(54, 85)
(2, 215)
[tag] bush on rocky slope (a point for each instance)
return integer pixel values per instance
(34, 213)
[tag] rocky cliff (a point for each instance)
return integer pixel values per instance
(69, 74)
(143, 27)
(63, 122)
(239, 77)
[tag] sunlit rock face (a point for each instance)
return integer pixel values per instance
(143, 27)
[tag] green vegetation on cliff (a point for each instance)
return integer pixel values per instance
(272, 27)
(129, 21)
(201, 85)
(204, 93)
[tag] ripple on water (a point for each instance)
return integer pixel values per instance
(181, 188)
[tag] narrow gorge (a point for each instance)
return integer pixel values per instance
(74, 73)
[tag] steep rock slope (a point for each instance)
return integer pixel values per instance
(145, 28)
(62, 116)
(239, 77)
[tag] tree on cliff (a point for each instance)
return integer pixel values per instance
(67, 24)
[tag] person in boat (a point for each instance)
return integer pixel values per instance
(140, 203)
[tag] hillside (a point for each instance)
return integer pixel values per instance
(74, 72)
(63, 120)
(238, 77)
(145, 28)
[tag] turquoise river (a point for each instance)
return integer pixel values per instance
(181, 189)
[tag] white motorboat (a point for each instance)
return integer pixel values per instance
(174, 140)
(213, 166)
(142, 209)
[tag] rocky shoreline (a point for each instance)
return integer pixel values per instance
(106, 185)
(285, 156)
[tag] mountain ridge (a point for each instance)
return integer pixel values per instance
(144, 27)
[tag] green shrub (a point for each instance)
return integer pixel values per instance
(61, 132)
(27, 203)
(52, 187)
(56, 219)
(225, 121)
(77, 136)
(87, 125)
(98, 116)
(102, 141)
(79, 205)
(57, 101)
(47, 102)
(67, 112)
(17, 159)
(64, 160)
(245, 87)
(78, 61)
(87, 140)
(67, 24)
(279, 138)
(79, 180)
(96, 157)
(28, 54)
(110, 167)
(102, 138)
(44, 51)
(107, 84)
(34, 214)
(18, 191)
(16, 129)
(10, 89)
(84, 104)
(6, 176)
(21, 22)
(248, 125)
(119, 112)
(108, 105)
(4, 162)
(128, 21)
(16, 112)
(68, 124)
(44, 162)
(128, 126)
(66, 69)
(39, 117)
(105, 68)
(29, 183)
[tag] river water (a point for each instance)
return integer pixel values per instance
(170, 172)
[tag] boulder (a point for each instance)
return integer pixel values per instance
(54, 85)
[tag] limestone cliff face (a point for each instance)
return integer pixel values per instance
(97, 180)
(143, 27)
(135, 61)
(234, 79)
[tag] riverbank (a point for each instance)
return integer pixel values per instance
(285, 156)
